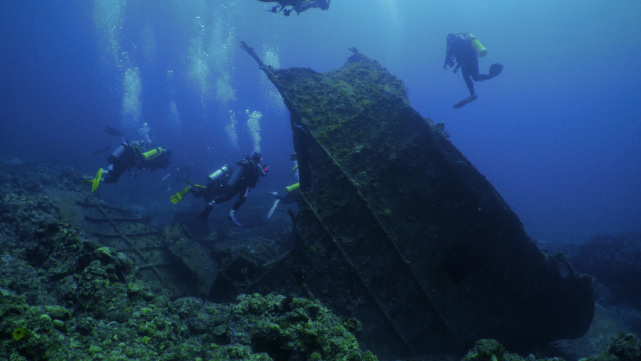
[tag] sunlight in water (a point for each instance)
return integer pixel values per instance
(199, 68)
(131, 107)
(222, 48)
(253, 123)
(230, 128)
(211, 51)
(393, 25)
(108, 17)
(144, 132)
(149, 43)
(272, 97)
(173, 117)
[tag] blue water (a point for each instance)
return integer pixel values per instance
(558, 133)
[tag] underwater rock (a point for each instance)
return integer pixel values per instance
(624, 348)
(65, 297)
(197, 260)
(615, 262)
(398, 229)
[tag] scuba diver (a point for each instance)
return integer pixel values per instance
(298, 5)
(291, 196)
(463, 51)
(223, 185)
(127, 155)
(291, 192)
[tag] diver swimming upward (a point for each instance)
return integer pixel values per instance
(463, 51)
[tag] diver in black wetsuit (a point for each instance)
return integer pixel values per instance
(240, 182)
(461, 54)
(290, 197)
(134, 154)
(307, 4)
(297, 5)
(131, 154)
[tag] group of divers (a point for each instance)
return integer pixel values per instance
(222, 185)
(463, 51)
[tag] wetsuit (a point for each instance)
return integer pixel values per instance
(463, 53)
(251, 174)
(240, 182)
(289, 198)
(322, 4)
(131, 154)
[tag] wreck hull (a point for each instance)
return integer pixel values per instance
(398, 229)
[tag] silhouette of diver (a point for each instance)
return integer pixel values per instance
(297, 5)
(462, 53)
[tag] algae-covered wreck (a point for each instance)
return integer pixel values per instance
(397, 228)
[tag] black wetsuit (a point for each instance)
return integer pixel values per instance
(298, 5)
(289, 198)
(251, 173)
(131, 154)
(322, 4)
(463, 53)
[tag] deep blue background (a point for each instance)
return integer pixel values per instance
(558, 133)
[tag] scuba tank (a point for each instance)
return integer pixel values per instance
(218, 174)
(116, 154)
(239, 172)
(480, 49)
(152, 154)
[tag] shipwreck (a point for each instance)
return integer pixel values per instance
(398, 229)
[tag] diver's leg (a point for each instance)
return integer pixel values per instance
(196, 192)
(113, 172)
(474, 71)
(241, 199)
(225, 197)
(470, 87)
(468, 80)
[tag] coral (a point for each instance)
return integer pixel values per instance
(624, 348)
(492, 350)
(66, 297)
(19, 333)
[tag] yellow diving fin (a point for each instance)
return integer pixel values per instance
(296, 167)
(180, 195)
(96, 181)
(195, 185)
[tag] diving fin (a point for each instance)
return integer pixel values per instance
(271, 211)
(465, 101)
(495, 69)
(180, 195)
(112, 131)
(233, 219)
(96, 181)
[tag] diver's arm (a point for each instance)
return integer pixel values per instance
(262, 170)
(448, 59)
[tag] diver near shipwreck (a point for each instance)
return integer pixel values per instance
(463, 51)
